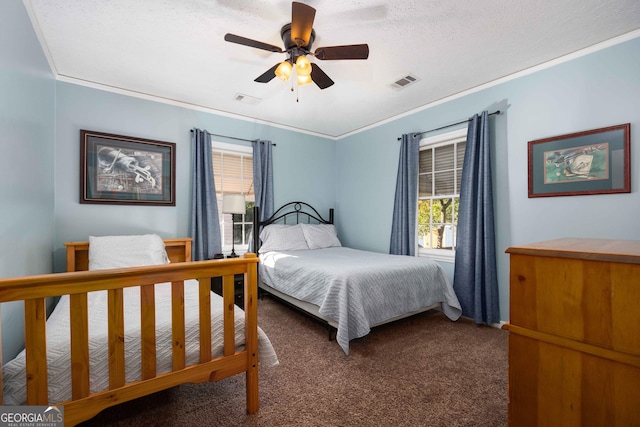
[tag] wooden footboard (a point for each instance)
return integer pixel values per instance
(34, 290)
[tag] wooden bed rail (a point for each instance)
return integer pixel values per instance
(34, 290)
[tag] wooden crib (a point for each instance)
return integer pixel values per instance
(77, 283)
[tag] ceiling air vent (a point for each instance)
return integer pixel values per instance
(246, 99)
(405, 81)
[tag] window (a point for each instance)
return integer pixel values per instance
(233, 173)
(439, 176)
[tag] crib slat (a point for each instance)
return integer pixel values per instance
(177, 325)
(36, 348)
(79, 345)
(229, 326)
(205, 319)
(148, 333)
(116, 338)
(251, 334)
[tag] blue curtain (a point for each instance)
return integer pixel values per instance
(403, 227)
(262, 179)
(475, 278)
(205, 223)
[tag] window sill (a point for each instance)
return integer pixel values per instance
(438, 255)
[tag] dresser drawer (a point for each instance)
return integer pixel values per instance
(584, 300)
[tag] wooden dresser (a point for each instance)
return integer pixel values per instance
(574, 333)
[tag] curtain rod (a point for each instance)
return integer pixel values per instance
(448, 126)
(231, 137)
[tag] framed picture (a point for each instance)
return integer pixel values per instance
(126, 170)
(590, 162)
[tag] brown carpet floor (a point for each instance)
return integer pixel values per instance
(420, 371)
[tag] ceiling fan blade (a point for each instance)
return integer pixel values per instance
(268, 75)
(352, 51)
(251, 43)
(302, 17)
(319, 77)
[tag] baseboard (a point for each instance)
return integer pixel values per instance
(502, 325)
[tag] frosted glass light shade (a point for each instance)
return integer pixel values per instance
(283, 71)
(304, 80)
(303, 66)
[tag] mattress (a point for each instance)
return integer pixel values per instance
(58, 346)
(358, 289)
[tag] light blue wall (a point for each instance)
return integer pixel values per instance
(80, 107)
(27, 119)
(597, 90)
(40, 122)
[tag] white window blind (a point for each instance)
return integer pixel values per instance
(439, 176)
(233, 174)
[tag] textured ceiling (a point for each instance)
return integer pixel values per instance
(175, 49)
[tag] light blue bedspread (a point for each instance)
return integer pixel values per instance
(357, 288)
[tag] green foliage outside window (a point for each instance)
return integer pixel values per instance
(436, 222)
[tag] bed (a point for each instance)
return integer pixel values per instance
(131, 326)
(303, 263)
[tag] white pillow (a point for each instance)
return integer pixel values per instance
(282, 237)
(107, 252)
(320, 236)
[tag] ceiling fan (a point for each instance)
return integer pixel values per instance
(298, 36)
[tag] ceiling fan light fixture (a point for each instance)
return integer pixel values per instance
(303, 66)
(298, 36)
(304, 80)
(283, 72)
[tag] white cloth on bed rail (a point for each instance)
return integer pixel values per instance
(58, 347)
(357, 288)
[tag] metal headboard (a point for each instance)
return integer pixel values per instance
(289, 213)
